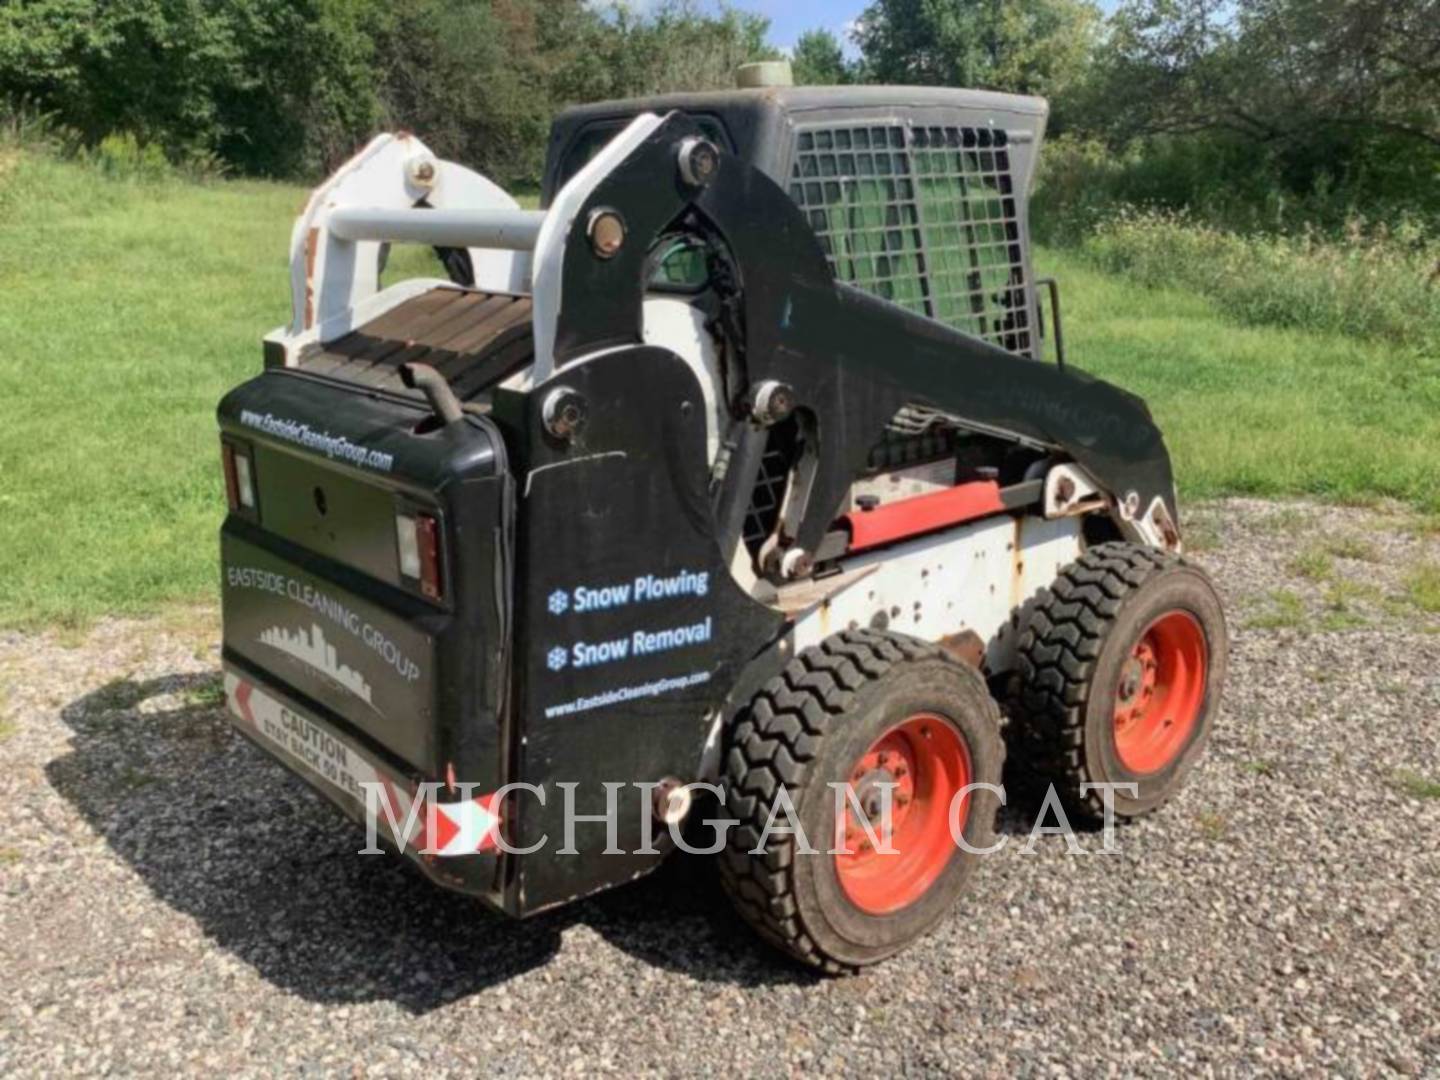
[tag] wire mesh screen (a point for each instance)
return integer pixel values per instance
(782, 447)
(922, 216)
(765, 499)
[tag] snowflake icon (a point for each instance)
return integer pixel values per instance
(556, 659)
(559, 602)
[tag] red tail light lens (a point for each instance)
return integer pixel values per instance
(232, 482)
(427, 536)
(239, 477)
(418, 536)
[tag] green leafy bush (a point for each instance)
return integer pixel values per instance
(1375, 281)
(258, 83)
(294, 87)
(1233, 184)
(124, 157)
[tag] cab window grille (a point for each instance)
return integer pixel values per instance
(926, 217)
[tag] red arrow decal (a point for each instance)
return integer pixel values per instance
(490, 804)
(445, 830)
(242, 701)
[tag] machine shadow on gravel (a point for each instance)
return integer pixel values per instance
(221, 834)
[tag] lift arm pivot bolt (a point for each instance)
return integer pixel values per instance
(564, 413)
(699, 161)
(795, 563)
(774, 401)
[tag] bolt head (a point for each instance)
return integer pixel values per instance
(422, 172)
(773, 402)
(607, 233)
(564, 413)
(796, 562)
(699, 161)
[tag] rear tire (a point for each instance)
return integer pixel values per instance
(865, 707)
(1121, 663)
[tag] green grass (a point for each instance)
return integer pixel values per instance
(1355, 548)
(1286, 611)
(1213, 825)
(208, 695)
(1340, 601)
(1422, 587)
(1312, 563)
(1417, 786)
(1370, 282)
(128, 308)
(1258, 410)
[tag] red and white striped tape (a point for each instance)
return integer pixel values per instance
(444, 829)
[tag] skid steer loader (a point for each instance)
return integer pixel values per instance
(740, 464)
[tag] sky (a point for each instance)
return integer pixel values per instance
(791, 18)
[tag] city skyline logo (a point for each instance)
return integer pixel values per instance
(315, 652)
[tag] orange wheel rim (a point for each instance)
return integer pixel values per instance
(928, 763)
(1160, 692)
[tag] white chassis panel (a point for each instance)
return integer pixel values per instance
(976, 577)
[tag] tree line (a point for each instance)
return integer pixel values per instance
(291, 87)
(1330, 104)
(1260, 113)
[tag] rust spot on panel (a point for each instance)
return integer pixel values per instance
(312, 242)
(1160, 517)
(1017, 564)
(966, 646)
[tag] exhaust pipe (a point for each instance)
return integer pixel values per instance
(436, 390)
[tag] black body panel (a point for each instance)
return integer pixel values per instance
(381, 660)
(619, 570)
(853, 360)
(425, 680)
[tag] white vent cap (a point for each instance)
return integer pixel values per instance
(766, 73)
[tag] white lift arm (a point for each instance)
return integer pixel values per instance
(397, 191)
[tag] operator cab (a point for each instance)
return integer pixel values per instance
(916, 194)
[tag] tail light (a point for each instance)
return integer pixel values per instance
(239, 478)
(418, 538)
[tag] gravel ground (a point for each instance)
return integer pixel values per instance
(170, 899)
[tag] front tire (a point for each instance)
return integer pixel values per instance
(1122, 662)
(869, 709)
